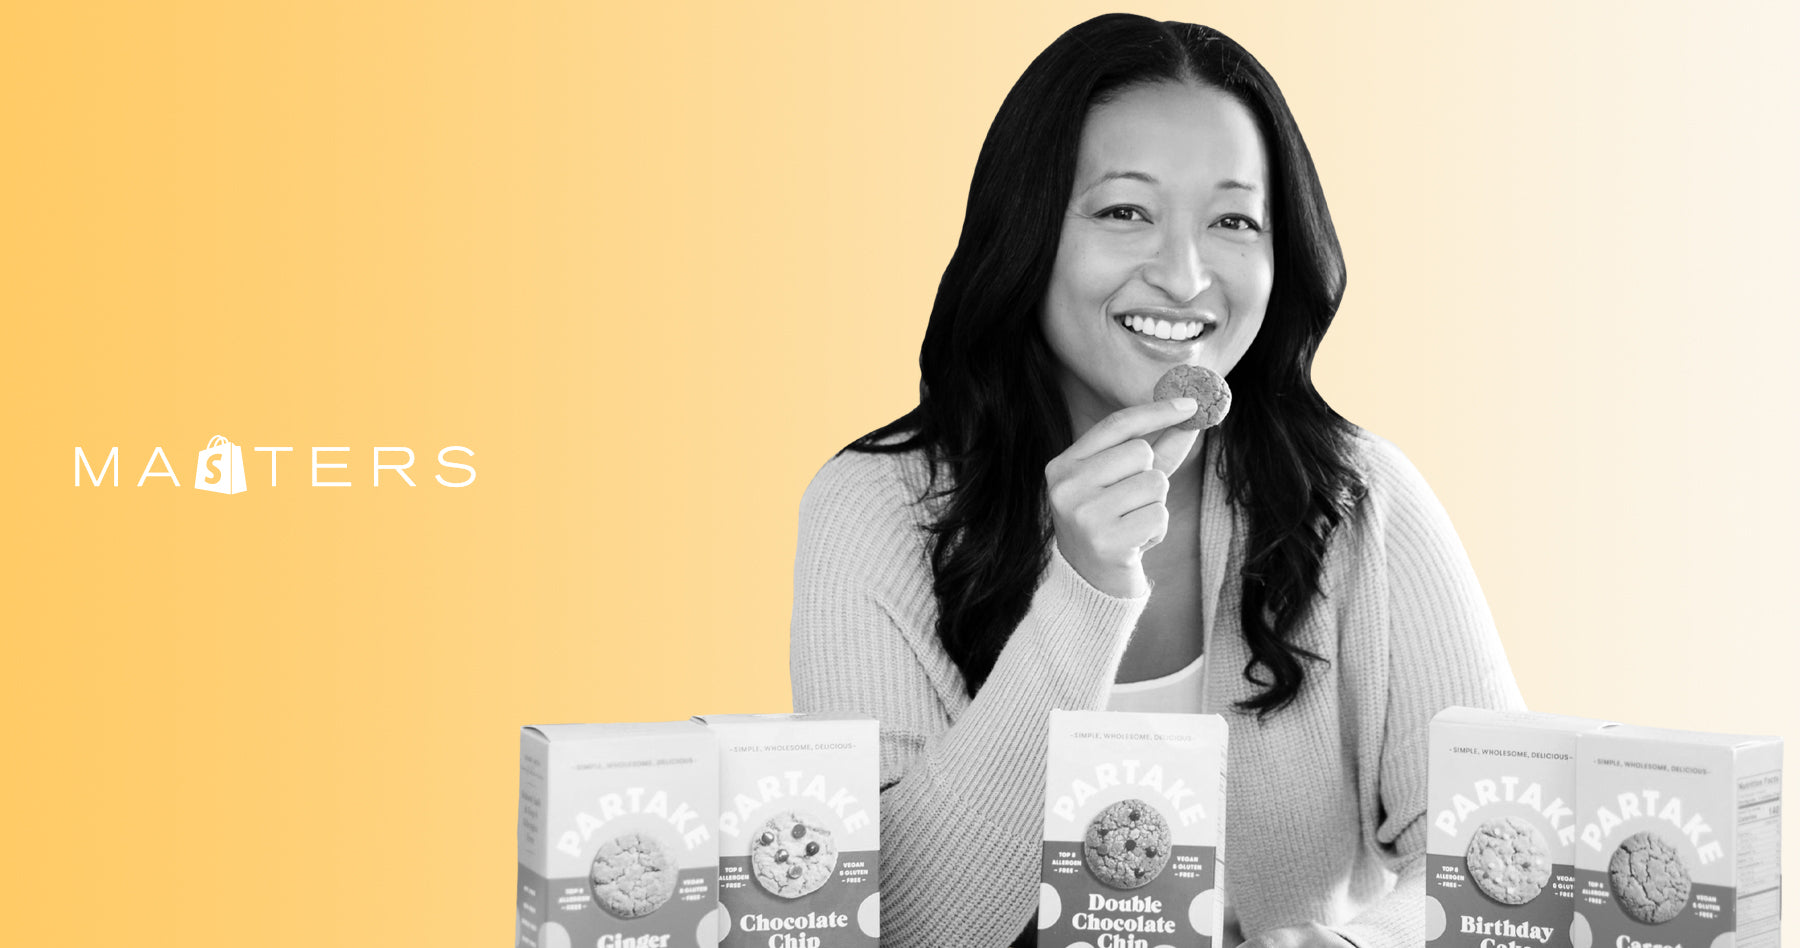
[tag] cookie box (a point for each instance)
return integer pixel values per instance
(618, 844)
(1134, 830)
(799, 830)
(1679, 841)
(1500, 843)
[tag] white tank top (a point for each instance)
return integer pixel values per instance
(1175, 692)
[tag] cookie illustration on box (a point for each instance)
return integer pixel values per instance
(1509, 859)
(1127, 844)
(633, 875)
(792, 855)
(1649, 879)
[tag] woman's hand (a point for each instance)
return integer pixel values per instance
(1108, 492)
(1309, 935)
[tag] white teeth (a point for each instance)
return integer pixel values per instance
(1162, 328)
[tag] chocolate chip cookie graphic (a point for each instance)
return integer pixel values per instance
(792, 856)
(1648, 878)
(1127, 844)
(1509, 859)
(633, 875)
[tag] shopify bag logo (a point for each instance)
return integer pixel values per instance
(221, 467)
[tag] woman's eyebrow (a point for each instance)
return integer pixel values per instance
(1229, 184)
(1143, 176)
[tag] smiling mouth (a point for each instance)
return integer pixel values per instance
(1179, 330)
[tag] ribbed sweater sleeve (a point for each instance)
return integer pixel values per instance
(962, 811)
(1443, 650)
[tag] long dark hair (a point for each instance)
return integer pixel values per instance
(991, 414)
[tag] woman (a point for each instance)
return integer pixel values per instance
(1036, 534)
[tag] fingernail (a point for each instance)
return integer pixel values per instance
(1189, 405)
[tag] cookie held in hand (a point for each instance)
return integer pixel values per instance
(1202, 385)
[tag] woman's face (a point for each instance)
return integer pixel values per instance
(1166, 255)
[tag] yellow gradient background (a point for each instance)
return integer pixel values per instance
(654, 264)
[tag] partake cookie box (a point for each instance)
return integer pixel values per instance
(799, 830)
(1500, 847)
(1134, 830)
(1679, 840)
(617, 836)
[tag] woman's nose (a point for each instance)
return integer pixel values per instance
(1178, 269)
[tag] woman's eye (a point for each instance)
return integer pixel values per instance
(1123, 213)
(1238, 222)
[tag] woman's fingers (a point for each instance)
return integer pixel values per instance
(1103, 531)
(1172, 447)
(1108, 467)
(1135, 492)
(1134, 422)
(1098, 512)
(1108, 492)
(1146, 525)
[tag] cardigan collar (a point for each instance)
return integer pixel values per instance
(1218, 530)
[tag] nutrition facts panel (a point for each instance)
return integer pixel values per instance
(1759, 860)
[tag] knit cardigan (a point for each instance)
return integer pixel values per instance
(1325, 798)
